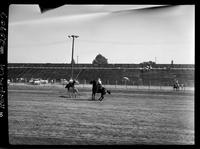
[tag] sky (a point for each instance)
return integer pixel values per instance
(121, 33)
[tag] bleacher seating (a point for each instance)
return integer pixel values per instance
(109, 73)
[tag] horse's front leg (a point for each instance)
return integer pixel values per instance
(70, 95)
(94, 96)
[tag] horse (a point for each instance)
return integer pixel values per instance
(95, 90)
(176, 86)
(71, 88)
(73, 91)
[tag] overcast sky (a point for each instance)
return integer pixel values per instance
(121, 33)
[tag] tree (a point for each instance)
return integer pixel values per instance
(99, 59)
(149, 63)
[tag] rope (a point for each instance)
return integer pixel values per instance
(78, 73)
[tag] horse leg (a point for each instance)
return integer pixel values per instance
(68, 94)
(101, 98)
(74, 93)
(93, 96)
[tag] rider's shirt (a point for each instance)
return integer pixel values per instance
(99, 82)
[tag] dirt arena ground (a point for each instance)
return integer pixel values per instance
(45, 115)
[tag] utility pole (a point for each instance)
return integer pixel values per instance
(72, 36)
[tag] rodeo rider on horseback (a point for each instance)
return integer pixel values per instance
(71, 82)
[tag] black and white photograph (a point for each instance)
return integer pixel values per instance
(97, 74)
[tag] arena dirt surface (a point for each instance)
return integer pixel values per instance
(41, 115)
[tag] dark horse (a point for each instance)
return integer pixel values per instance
(176, 86)
(95, 90)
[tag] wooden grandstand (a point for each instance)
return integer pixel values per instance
(161, 74)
